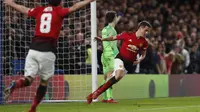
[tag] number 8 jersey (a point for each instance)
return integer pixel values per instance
(48, 24)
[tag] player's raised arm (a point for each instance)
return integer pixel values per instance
(79, 5)
(19, 8)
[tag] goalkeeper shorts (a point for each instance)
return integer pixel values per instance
(41, 63)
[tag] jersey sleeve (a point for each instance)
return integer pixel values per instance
(63, 12)
(121, 36)
(33, 12)
(145, 46)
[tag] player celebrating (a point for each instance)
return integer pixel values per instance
(41, 56)
(110, 51)
(133, 43)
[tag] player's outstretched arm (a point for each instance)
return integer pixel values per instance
(79, 5)
(19, 8)
(112, 38)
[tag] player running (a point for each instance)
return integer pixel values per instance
(41, 56)
(110, 51)
(133, 43)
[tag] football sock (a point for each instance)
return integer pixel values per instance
(111, 92)
(108, 93)
(104, 93)
(23, 82)
(41, 91)
(107, 85)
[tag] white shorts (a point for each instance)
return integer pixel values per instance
(41, 63)
(118, 65)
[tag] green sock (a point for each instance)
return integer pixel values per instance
(111, 92)
(108, 93)
(104, 93)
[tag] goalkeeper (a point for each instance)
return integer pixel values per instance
(110, 50)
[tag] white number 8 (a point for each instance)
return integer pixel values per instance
(45, 25)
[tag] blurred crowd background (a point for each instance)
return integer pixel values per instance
(174, 42)
(175, 37)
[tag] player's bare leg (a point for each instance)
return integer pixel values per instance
(23, 82)
(41, 91)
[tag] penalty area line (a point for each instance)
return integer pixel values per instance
(168, 108)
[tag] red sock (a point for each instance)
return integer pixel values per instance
(21, 83)
(98, 88)
(41, 91)
(107, 85)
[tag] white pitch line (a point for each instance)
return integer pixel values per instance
(168, 108)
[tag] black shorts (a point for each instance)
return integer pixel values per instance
(44, 44)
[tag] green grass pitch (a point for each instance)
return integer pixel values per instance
(185, 104)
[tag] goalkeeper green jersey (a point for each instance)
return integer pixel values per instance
(109, 47)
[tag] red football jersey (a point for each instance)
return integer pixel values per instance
(48, 20)
(130, 39)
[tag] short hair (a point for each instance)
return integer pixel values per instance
(54, 2)
(110, 16)
(144, 23)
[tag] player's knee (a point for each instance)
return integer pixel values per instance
(108, 75)
(120, 73)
